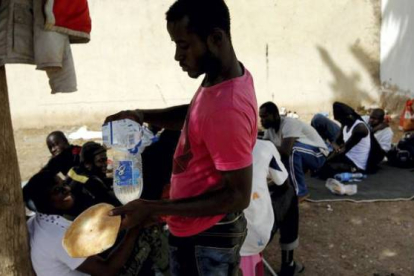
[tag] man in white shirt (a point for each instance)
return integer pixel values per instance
(270, 211)
(329, 130)
(355, 148)
(299, 144)
(380, 128)
(52, 200)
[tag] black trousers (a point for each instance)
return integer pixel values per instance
(337, 164)
(286, 209)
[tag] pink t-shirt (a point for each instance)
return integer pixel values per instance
(222, 130)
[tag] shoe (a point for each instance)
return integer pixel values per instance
(292, 270)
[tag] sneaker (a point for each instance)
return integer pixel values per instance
(293, 270)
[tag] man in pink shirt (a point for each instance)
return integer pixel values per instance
(212, 166)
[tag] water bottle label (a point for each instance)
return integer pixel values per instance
(124, 174)
(122, 133)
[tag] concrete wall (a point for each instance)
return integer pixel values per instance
(397, 44)
(303, 54)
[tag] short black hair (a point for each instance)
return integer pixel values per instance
(89, 151)
(58, 133)
(270, 107)
(36, 191)
(380, 112)
(204, 15)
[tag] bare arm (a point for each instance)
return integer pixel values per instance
(232, 195)
(286, 147)
(339, 141)
(359, 132)
(111, 266)
(170, 118)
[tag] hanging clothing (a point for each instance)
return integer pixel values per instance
(70, 18)
(16, 32)
(25, 37)
(53, 54)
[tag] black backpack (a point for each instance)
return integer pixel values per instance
(402, 155)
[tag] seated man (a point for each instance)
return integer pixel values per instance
(329, 130)
(91, 186)
(269, 212)
(352, 146)
(88, 181)
(298, 143)
(64, 155)
(52, 200)
(380, 128)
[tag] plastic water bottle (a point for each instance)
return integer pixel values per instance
(128, 140)
(343, 177)
(128, 182)
(358, 176)
(347, 177)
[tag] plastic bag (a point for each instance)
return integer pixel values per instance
(338, 188)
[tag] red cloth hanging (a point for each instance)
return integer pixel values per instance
(69, 17)
(407, 116)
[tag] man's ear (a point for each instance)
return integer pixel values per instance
(216, 38)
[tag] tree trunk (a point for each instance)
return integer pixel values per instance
(14, 246)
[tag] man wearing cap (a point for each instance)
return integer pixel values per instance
(88, 181)
(90, 186)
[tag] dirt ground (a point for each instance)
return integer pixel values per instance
(372, 239)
